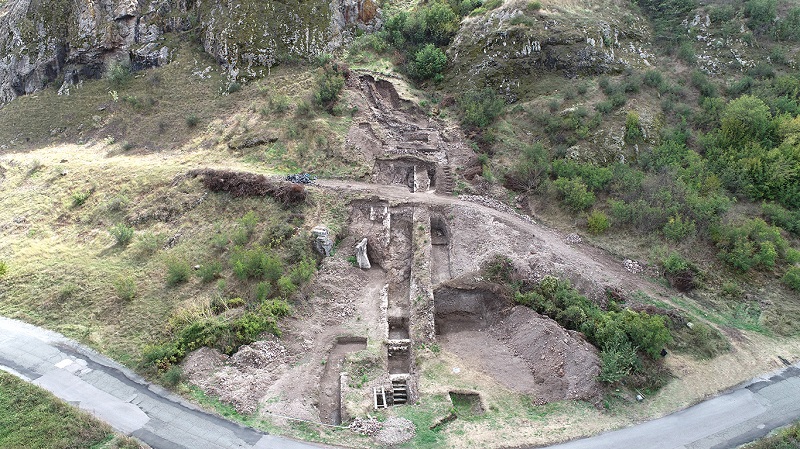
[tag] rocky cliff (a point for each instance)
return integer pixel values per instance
(66, 41)
(522, 38)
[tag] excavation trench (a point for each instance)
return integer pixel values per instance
(330, 400)
(522, 350)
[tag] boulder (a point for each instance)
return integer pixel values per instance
(361, 255)
(322, 241)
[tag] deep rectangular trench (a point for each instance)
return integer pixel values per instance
(330, 398)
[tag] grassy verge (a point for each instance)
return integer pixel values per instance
(788, 438)
(32, 418)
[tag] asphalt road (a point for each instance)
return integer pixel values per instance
(119, 397)
(729, 420)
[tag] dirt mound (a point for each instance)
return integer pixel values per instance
(240, 380)
(524, 351)
(258, 355)
(250, 184)
(395, 431)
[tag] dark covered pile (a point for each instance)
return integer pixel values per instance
(249, 184)
(301, 178)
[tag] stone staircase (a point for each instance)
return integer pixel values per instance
(446, 181)
(399, 392)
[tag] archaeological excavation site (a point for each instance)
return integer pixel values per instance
(408, 287)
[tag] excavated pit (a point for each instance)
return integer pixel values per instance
(522, 350)
(417, 174)
(466, 403)
(440, 250)
(330, 400)
(399, 358)
(399, 266)
(398, 328)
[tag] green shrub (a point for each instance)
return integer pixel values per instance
(760, 13)
(617, 360)
(285, 286)
(529, 170)
(788, 29)
(302, 271)
(118, 75)
(80, 197)
(256, 263)
(786, 219)
(209, 271)
(147, 243)
(746, 119)
(245, 229)
(173, 376)
(653, 78)
(618, 333)
(574, 193)
(604, 107)
(679, 228)
(675, 264)
(329, 85)
(122, 233)
(3, 268)
(233, 87)
(792, 278)
(480, 108)
(597, 222)
(596, 178)
(192, 120)
(751, 244)
(126, 288)
(303, 109)
(499, 269)
(633, 129)
(429, 62)
(686, 52)
(177, 271)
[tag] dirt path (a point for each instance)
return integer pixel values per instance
(591, 262)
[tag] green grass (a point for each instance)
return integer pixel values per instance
(32, 418)
(744, 316)
(787, 438)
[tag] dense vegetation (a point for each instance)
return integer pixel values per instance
(630, 342)
(267, 271)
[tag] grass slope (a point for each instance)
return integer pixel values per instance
(32, 418)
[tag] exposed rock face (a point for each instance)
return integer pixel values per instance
(361, 255)
(42, 41)
(247, 37)
(322, 240)
(509, 42)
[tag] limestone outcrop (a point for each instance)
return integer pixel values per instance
(65, 41)
(510, 43)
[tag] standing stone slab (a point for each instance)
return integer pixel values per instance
(361, 255)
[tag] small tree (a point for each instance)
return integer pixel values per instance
(329, 86)
(429, 62)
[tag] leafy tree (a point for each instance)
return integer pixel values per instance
(744, 120)
(429, 62)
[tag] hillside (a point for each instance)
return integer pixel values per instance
(566, 205)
